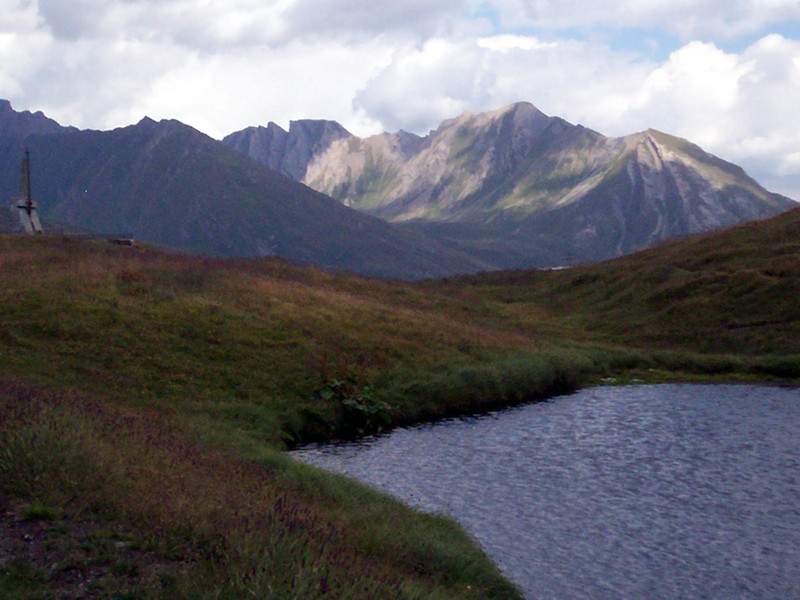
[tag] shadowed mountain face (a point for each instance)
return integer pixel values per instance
(519, 188)
(15, 124)
(169, 184)
(288, 152)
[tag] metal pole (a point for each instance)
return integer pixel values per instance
(30, 194)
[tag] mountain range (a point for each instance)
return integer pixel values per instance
(517, 187)
(512, 188)
(168, 184)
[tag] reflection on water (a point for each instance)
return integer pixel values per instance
(667, 491)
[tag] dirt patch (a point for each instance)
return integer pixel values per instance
(45, 555)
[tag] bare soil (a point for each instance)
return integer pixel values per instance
(44, 556)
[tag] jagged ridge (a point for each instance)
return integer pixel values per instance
(166, 183)
(523, 189)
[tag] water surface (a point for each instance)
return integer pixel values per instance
(667, 491)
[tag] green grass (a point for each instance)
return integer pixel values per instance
(151, 395)
(732, 293)
(235, 527)
(38, 512)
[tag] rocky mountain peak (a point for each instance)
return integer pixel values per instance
(529, 189)
(25, 123)
(519, 114)
(146, 123)
(319, 132)
(288, 152)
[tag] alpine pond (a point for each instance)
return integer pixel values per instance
(658, 491)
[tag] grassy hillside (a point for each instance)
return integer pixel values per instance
(145, 399)
(730, 293)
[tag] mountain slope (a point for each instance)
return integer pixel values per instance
(525, 189)
(727, 292)
(169, 184)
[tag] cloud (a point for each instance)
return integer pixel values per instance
(742, 107)
(687, 18)
(215, 65)
(301, 80)
(221, 65)
(694, 90)
(419, 18)
(18, 60)
(219, 24)
(509, 42)
(425, 84)
(72, 20)
(88, 83)
(441, 78)
(203, 26)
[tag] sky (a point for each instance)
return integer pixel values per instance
(723, 74)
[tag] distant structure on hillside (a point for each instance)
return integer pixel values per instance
(24, 203)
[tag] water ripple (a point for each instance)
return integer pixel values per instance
(668, 491)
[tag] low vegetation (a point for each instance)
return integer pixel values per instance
(146, 399)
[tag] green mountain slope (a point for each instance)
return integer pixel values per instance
(733, 292)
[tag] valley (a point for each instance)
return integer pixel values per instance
(147, 397)
(149, 392)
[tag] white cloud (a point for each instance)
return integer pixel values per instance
(509, 42)
(221, 65)
(18, 15)
(790, 165)
(742, 107)
(687, 18)
(303, 80)
(696, 89)
(218, 24)
(425, 84)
